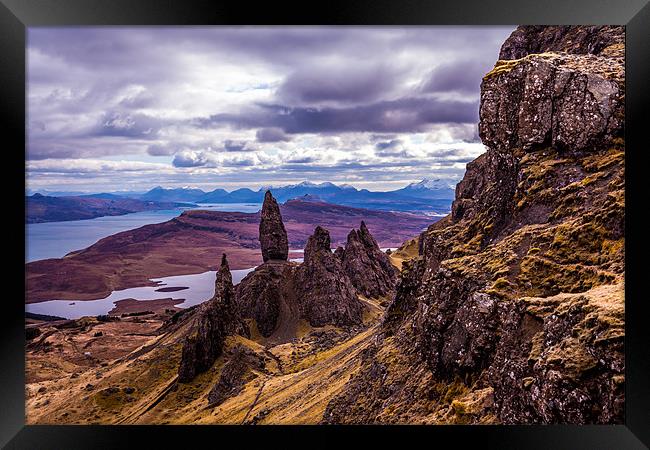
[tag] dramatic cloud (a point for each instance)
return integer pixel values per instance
(403, 115)
(461, 76)
(246, 106)
(339, 83)
(237, 146)
(188, 158)
(272, 134)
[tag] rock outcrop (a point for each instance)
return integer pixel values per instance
(323, 289)
(571, 102)
(527, 39)
(513, 310)
(369, 269)
(273, 236)
(215, 319)
(266, 293)
(278, 294)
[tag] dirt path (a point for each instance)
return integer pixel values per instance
(257, 397)
(142, 409)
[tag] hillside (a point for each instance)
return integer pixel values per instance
(42, 208)
(513, 310)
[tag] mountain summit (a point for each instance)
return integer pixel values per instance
(431, 184)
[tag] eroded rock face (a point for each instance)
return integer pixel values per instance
(457, 335)
(265, 293)
(527, 39)
(561, 359)
(215, 319)
(491, 179)
(273, 236)
(569, 102)
(515, 302)
(369, 269)
(323, 289)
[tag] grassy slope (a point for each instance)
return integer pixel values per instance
(298, 380)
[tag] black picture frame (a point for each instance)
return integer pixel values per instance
(17, 15)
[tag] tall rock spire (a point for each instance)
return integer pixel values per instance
(223, 288)
(369, 269)
(273, 236)
(216, 319)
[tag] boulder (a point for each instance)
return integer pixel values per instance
(567, 102)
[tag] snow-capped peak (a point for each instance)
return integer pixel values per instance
(311, 184)
(184, 188)
(432, 184)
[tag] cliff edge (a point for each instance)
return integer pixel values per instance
(513, 309)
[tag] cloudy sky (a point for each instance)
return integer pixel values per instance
(129, 108)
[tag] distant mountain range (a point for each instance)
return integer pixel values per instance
(431, 196)
(41, 208)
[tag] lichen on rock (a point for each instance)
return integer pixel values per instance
(570, 102)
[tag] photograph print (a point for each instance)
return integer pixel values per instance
(325, 225)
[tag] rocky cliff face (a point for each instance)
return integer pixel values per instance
(273, 236)
(323, 288)
(515, 302)
(569, 102)
(369, 269)
(215, 319)
(529, 39)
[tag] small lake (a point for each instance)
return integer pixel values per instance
(57, 239)
(200, 288)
